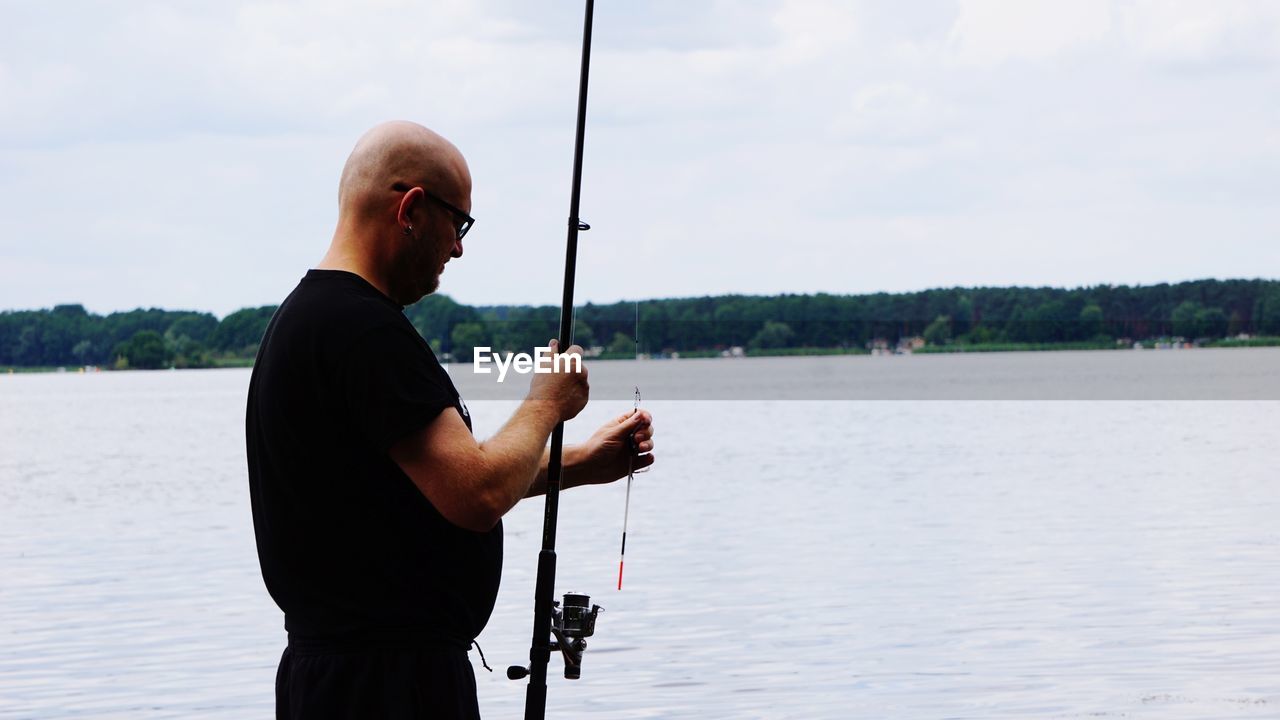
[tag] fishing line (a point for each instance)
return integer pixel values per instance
(631, 466)
(626, 508)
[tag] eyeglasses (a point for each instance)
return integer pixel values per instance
(465, 221)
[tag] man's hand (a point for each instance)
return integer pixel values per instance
(567, 390)
(621, 445)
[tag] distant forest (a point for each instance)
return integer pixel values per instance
(946, 319)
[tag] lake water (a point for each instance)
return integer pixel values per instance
(993, 555)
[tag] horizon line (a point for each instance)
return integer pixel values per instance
(693, 297)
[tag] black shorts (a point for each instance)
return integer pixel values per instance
(378, 683)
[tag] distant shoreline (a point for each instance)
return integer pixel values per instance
(982, 319)
(988, 348)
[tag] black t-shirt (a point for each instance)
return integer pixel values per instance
(350, 549)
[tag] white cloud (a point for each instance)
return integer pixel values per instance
(813, 29)
(756, 146)
(891, 114)
(992, 31)
(1192, 31)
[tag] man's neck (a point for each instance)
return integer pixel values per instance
(342, 256)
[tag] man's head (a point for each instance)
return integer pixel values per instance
(404, 193)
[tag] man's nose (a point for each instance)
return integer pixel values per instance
(457, 249)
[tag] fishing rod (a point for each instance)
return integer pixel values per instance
(574, 621)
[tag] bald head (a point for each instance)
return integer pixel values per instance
(402, 191)
(399, 152)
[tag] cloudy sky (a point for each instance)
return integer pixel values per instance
(186, 154)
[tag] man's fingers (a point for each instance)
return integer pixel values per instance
(643, 461)
(633, 418)
(644, 429)
(641, 440)
(633, 415)
(638, 431)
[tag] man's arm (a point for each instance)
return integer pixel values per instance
(474, 484)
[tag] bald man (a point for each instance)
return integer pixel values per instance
(377, 513)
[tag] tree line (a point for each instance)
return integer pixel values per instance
(1202, 309)
(142, 338)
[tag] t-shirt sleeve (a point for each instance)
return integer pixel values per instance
(392, 386)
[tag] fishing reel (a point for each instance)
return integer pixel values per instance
(571, 625)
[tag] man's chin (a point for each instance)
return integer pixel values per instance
(431, 287)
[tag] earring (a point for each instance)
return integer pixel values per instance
(408, 229)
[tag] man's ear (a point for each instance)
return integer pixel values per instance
(403, 217)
